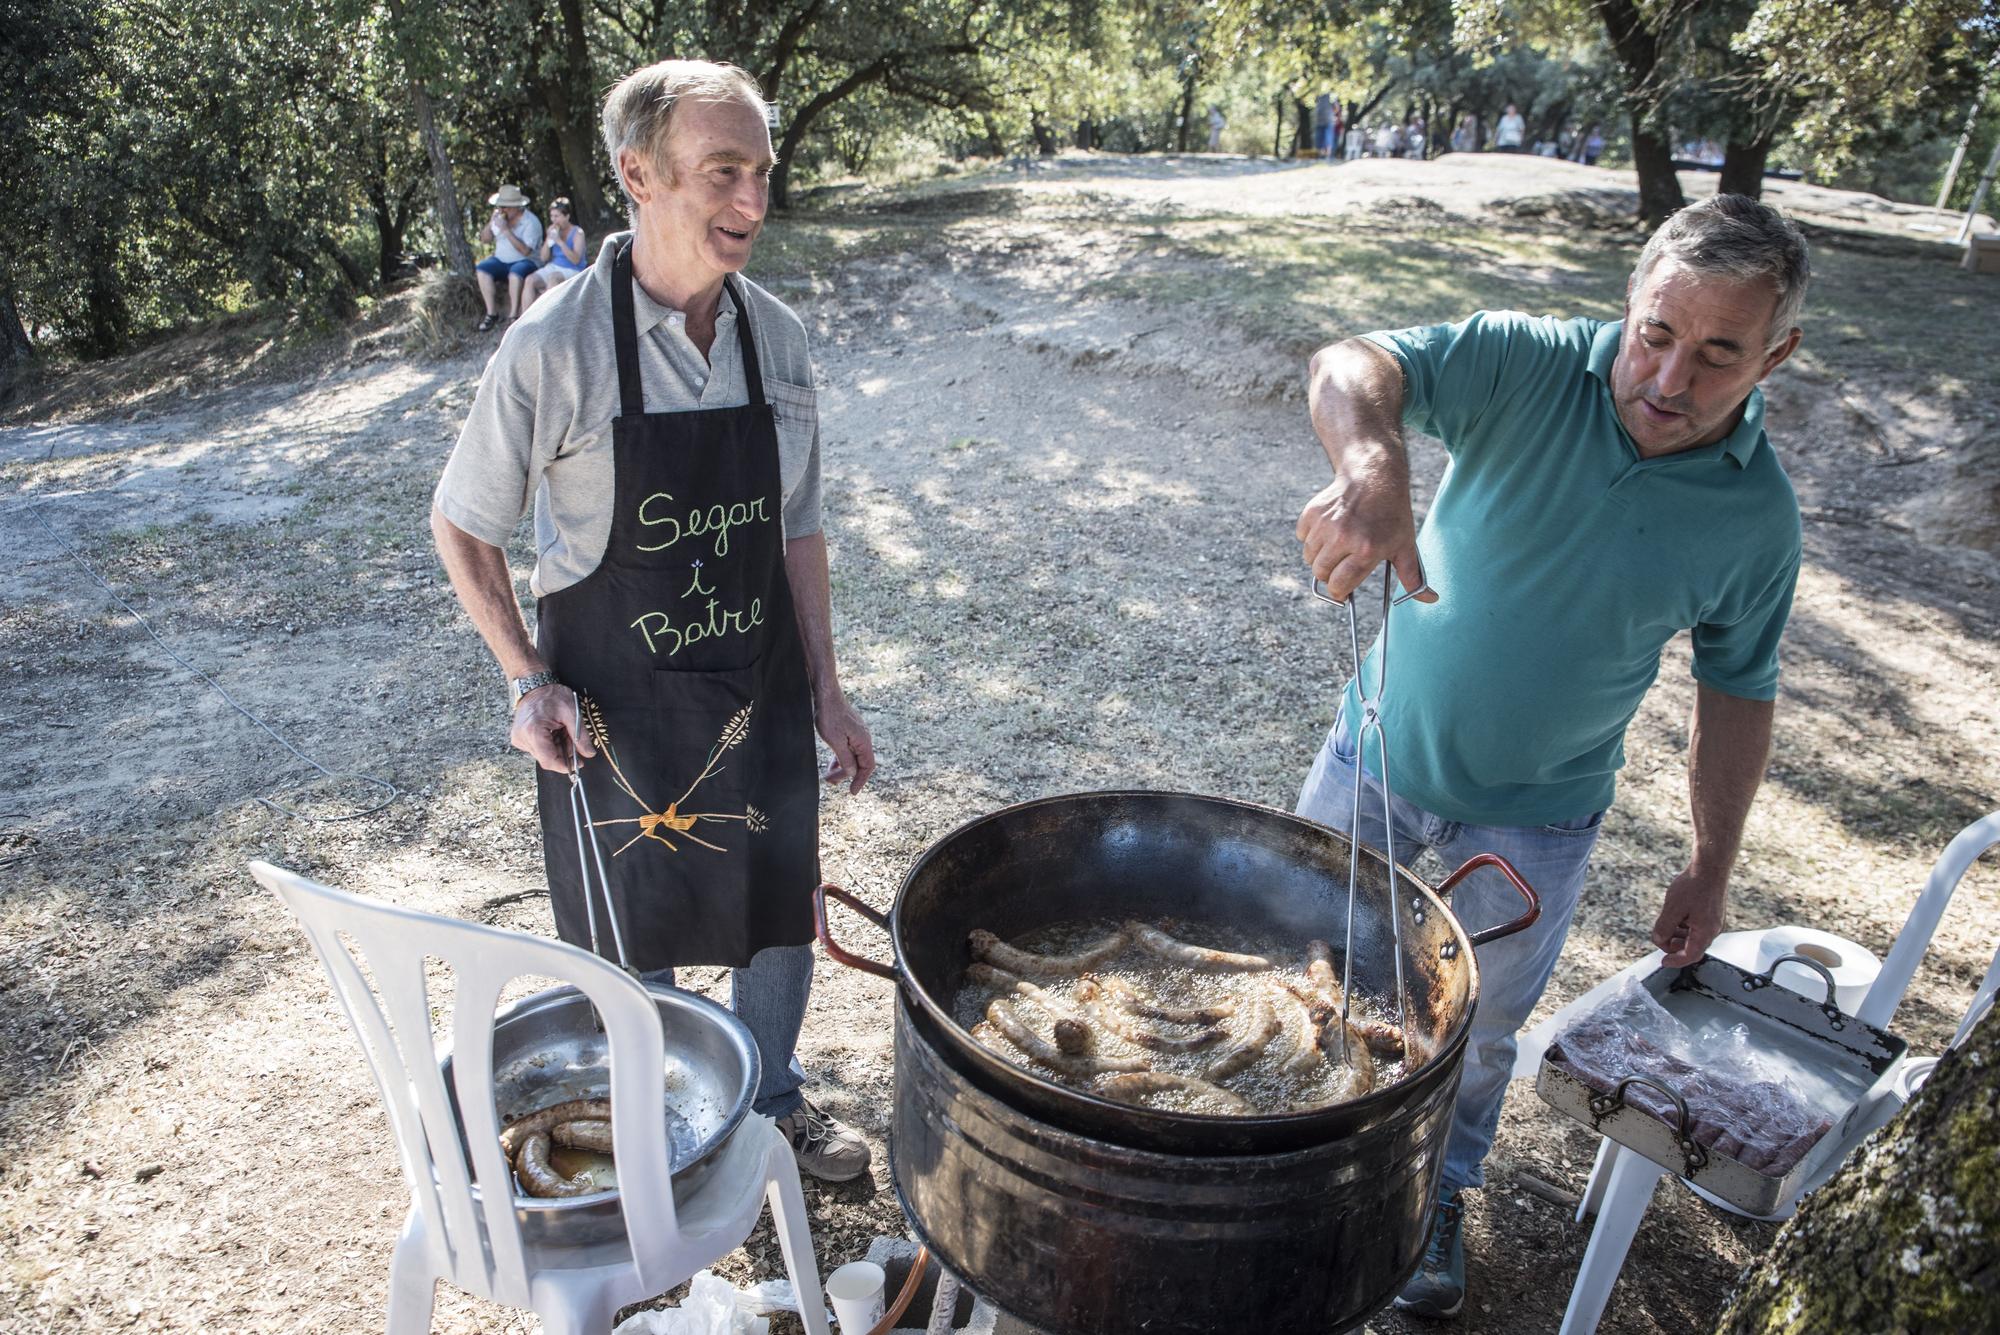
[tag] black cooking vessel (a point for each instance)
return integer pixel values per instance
(1088, 1217)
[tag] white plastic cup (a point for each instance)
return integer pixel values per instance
(855, 1290)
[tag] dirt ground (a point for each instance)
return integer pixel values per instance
(1061, 525)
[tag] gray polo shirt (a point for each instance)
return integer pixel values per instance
(540, 427)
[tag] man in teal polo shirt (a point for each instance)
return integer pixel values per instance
(1610, 485)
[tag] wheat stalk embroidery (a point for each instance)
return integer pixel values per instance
(656, 825)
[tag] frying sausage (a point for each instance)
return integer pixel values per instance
(1200, 957)
(1319, 968)
(1306, 1055)
(1127, 1027)
(1383, 1039)
(1073, 1038)
(1002, 1016)
(1132, 1088)
(993, 950)
(1257, 1036)
(1140, 1003)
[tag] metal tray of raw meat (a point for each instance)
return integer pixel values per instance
(1833, 1060)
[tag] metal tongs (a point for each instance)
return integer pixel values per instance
(586, 832)
(1371, 722)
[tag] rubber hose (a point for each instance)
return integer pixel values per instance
(907, 1296)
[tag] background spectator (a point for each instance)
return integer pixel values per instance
(516, 235)
(563, 253)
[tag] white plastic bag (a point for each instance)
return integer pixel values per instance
(713, 1307)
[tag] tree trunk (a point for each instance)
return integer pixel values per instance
(451, 223)
(802, 121)
(573, 115)
(15, 349)
(1743, 168)
(1903, 1237)
(1045, 138)
(1638, 50)
(1551, 124)
(1659, 188)
(1185, 125)
(1278, 129)
(341, 300)
(106, 316)
(388, 245)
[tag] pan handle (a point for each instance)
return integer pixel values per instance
(834, 951)
(1505, 868)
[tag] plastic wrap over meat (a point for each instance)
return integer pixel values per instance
(1736, 1105)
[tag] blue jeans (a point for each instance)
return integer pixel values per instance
(1512, 971)
(495, 267)
(769, 996)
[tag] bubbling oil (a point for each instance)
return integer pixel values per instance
(1268, 1084)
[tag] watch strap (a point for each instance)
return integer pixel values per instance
(534, 681)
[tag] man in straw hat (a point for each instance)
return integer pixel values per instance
(516, 234)
(659, 409)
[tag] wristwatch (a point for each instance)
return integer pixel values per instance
(534, 681)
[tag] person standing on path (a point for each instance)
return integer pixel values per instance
(659, 411)
(1610, 486)
(1512, 130)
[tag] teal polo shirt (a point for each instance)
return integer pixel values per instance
(1564, 563)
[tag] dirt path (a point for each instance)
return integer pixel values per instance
(1063, 559)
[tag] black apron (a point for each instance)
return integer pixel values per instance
(684, 645)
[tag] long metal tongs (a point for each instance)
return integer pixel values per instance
(586, 832)
(1369, 723)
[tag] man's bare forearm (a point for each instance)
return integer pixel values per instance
(485, 588)
(1355, 392)
(1363, 517)
(1729, 746)
(812, 605)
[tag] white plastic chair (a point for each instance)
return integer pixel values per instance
(477, 1244)
(1621, 1184)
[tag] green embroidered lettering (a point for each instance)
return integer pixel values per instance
(649, 521)
(650, 622)
(714, 521)
(664, 637)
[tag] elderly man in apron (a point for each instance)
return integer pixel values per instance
(659, 412)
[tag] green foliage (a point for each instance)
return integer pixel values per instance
(191, 161)
(174, 163)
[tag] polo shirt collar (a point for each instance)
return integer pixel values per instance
(1739, 445)
(648, 315)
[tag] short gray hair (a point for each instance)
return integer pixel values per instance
(1735, 236)
(639, 109)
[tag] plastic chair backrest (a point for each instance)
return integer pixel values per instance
(478, 1243)
(1879, 1006)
